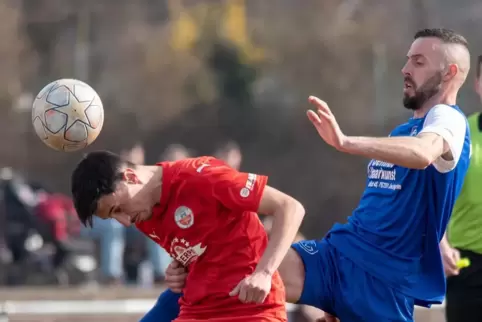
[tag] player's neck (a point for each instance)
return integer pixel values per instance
(448, 98)
(152, 178)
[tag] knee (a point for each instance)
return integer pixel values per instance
(292, 271)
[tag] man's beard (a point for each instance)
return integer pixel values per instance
(422, 94)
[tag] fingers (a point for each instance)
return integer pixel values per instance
(249, 294)
(320, 104)
(313, 117)
(175, 268)
(175, 285)
(235, 291)
(324, 115)
(241, 291)
(456, 256)
(451, 267)
(451, 272)
(323, 112)
(243, 294)
(175, 264)
(258, 296)
(450, 264)
(176, 276)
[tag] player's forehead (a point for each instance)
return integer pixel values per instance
(428, 47)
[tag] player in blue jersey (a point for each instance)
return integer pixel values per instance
(386, 258)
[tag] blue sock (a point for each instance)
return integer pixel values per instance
(166, 308)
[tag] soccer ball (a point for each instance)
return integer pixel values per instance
(67, 115)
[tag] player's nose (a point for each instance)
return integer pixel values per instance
(405, 70)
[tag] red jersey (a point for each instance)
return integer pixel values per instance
(206, 219)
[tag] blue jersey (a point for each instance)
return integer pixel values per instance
(394, 233)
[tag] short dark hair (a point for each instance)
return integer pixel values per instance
(479, 63)
(96, 175)
(447, 36)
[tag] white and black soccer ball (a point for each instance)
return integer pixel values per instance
(67, 115)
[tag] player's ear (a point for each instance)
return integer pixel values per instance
(130, 177)
(452, 70)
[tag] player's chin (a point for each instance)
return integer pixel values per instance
(408, 92)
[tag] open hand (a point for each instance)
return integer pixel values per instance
(325, 123)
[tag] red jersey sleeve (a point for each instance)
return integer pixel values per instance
(235, 190)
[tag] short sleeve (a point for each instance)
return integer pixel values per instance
(451, 125)
(233, 189)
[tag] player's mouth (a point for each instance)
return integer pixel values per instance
(407, 86)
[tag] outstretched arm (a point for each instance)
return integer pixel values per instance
(440, 142)
(416, 152)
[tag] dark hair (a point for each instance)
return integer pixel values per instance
(479, 62)
(96, 175)
(447, 36)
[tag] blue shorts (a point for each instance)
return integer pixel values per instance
(336, 285)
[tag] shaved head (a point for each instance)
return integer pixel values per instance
(454, 48)
(458, 55)
(438, 63)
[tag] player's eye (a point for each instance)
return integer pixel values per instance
(114, 211)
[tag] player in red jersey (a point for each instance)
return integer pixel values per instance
(204, 214)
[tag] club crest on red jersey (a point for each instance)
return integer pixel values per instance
(184, 253)
(184, 217)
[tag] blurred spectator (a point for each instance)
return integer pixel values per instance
(135, 155)
(230, 152)
(464, 232)
(31, 219)
(19, 201)
(59, 222)
(175, 152)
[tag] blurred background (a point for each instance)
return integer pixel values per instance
(187, 78)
